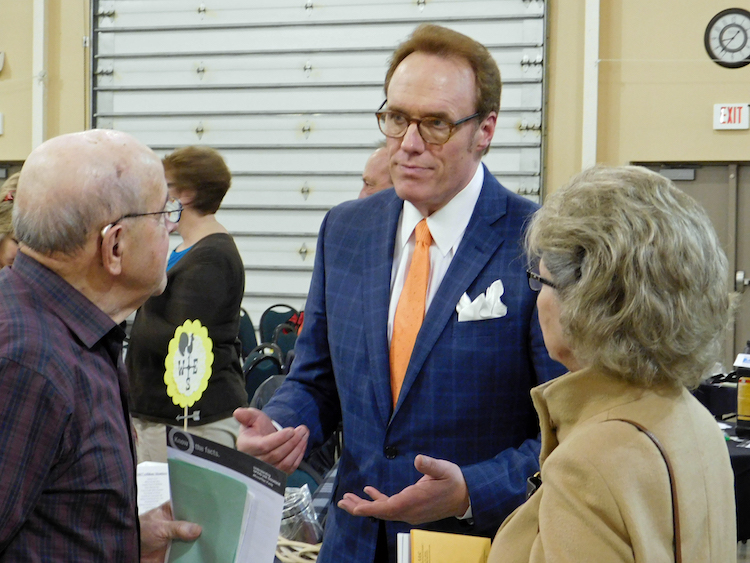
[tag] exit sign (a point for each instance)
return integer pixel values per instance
(731, 116)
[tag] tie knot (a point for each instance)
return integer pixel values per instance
(423, 233)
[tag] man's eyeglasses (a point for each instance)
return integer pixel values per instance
(434, 130)
(536, 281)
(172, 212)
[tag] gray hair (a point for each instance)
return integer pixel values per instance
(59, 204)
(641, 275)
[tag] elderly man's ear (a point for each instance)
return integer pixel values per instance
(111, 249)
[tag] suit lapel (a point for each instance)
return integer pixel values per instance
(376, 294)
(480, 241)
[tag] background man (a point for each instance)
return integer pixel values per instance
(92, 219)
(376, 176)
(464, 399)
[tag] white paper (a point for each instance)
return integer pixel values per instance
(403, 543)
(153, 485)
(265, 485)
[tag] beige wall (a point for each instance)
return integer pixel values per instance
(657, 86)
(68, 21)
(68, 63)
(564, 112)
(15, 79)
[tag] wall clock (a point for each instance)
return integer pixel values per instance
(727, 38)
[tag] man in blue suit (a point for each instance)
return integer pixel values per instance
(451, 445)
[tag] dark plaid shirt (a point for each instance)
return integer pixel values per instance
(67, 469)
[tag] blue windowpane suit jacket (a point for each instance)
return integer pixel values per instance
(465, 397)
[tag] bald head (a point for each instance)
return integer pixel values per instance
(72, 185)
(376, 175)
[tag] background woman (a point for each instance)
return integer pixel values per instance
(205, 282)
(633, 301)
(8, 244)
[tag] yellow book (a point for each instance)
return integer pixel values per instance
(441, 547)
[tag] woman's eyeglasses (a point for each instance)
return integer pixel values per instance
(536, 281)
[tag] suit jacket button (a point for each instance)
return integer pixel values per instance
(390, 452)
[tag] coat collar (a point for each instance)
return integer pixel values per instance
(578, 397)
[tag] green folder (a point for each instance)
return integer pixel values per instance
(215, 501)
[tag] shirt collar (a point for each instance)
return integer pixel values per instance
(87, 321)
(448, 223)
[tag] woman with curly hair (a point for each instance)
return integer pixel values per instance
(633, 300)
(8, 244)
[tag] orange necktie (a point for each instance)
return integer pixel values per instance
(410, 308)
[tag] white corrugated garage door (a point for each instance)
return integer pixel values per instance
(286, 90)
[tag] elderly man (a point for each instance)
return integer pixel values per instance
(376, 176)
(421, 331)
(92, 218)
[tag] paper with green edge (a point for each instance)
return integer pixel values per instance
(215, 501)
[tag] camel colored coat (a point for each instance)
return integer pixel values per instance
(605, 495)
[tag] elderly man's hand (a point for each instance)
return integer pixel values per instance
(284, 449)
(158, 529)
(441, 493)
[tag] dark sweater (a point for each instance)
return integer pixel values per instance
(207, 284)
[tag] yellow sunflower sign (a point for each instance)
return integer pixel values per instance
(188, 364)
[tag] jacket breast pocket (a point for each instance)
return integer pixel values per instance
(486, 330)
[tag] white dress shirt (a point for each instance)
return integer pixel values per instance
(447, 227)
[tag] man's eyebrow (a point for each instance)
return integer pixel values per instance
(438, 114)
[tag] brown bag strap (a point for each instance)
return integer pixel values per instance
(677, 544)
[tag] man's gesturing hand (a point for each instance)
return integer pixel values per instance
(284, 449)
(441, 493)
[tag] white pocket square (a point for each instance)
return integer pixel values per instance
(486, 306)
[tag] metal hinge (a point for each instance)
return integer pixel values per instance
(526, 126)
(527, 62)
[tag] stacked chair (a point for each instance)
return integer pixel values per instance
(265, 367)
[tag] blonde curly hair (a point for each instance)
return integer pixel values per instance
(7, 196)
(642, 280)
